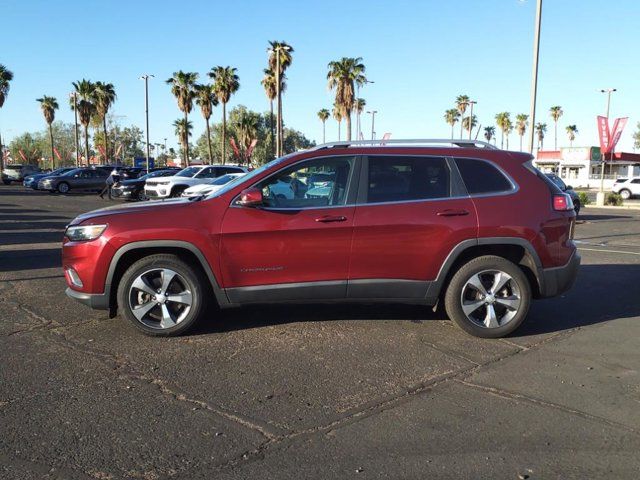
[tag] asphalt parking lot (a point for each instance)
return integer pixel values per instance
(316, 391)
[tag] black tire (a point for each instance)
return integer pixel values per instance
(63, 187)
(577, 206)
(140, 196)
(194, 281)
(6, 182)
(459, 283)
(625, 194)
(177, 191)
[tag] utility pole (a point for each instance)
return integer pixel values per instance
(373, 123)
(74, 95)
(146, 77)
(534, 78)
(600, 194)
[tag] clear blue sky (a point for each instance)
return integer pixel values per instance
(420, 53)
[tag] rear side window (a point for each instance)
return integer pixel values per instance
(636, 181)
(481, 177)
(399, 179)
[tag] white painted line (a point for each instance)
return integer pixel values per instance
(608, 251)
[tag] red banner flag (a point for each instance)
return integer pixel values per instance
(616, 131)
(251, 147)
(22, 155)
(235, 148)
(55, 150)
(603, 133)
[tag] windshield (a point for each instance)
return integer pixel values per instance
(224, 179)
(188, 172)
(159, 173)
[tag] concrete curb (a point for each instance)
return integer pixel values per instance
(611, 207)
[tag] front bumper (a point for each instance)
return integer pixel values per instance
(98, 301)
(558, 280)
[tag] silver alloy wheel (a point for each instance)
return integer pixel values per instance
(625, 194)
(491, 298)
(160, 298)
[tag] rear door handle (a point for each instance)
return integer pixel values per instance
(331, 218)
(452, 213)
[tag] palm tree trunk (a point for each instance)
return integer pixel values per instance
(349, 126)
(186, 147)
(1, 156)
(273, 151)
(209, 143)
(224, 132)
(52, 152)
(502, 140)
(462, 115)
(555, 135)
(521, 142)
(324, 131)
(339, 123)
(452, 131)
(106, 138)
(86, 143)
(280, 125)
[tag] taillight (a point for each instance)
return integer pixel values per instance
(562, 202)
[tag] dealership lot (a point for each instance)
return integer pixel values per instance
(315, 391)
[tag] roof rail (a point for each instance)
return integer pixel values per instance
(462, 143)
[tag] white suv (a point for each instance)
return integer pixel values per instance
(165, 187)
(627, 187)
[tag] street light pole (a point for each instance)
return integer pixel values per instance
(358, 121)
(534, 78)
(600, 195)
(471, 104)
(146, 77)
(373, 122)
(74, 95)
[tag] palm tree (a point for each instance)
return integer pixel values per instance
(358, 107)
(279, 60)
(572, 131)
(206, 99)
(508, 129)
(343, 75)
(323, 115)
(451, 116)
(555, 112)
(462, 102)
(489, 133)
(49, 105)
(469, 123)
(522, 122)
(183, 88)
(6, 76)
(247, 128)
(271, 90)
(503, 121)
(541, 128)
(225, 84)
(337, 115)
(85, 91)
(183, 132)
(104, 95)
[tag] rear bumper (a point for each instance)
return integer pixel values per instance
(558, 280)
(98, 301)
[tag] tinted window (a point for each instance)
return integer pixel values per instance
(226, 170)
(635, 181)
(397, 179)
(482, 177)
(294, 187)
(208, 172)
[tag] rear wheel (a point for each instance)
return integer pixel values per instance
(625, 194)
(576, 206)
(63, 187)
(488, 297)
(162, 295)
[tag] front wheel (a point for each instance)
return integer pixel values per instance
(161, 295)
(63, 187)
(625, 194)
(488, 297)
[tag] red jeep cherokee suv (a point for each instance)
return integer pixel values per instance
(463, 223)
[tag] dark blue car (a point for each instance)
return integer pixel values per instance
(31, 181)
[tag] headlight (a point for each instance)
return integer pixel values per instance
(80, 233)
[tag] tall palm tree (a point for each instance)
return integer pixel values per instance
(541, 129)
(572, 131)
(451, 116)
(206, 99)
(104, 95)
(522, 122)
(85, 91)
(247, 128)
(225, 83)
(183, 88)
(183, 132)
(323, 115)
(49, 105)
(555, 112)
(343, 75)
(462, 102)
(270, 89)
(337, 116)
(503, 122)
(469, 123)
(508, 129)
(279, 60)
(358, 108)
(489, 133)
(6, 76)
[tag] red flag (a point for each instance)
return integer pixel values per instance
(251, 147)
(603, 133)
(101, 150)
(616, 131)
(235, 148)
(22, 155)
(57, 153)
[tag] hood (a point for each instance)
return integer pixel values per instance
(140, 207)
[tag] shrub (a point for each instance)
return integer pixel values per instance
(613, 199)
(584, 198)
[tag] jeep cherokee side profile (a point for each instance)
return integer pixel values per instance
(457, 222)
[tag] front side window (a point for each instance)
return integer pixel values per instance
(481, 177)
(402, 179)
(316, 183)
(188, 172)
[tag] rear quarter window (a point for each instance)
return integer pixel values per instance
(481, 177)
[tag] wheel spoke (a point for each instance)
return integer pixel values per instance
(499, 281)
(167, 276)
(141, 310)
(469, 308)
(476, 283)
(167, 320)
(184, 297)
(141, 284)
(490, 320)
(512, 302)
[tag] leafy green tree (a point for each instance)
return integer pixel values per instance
(104, 95)
(522, 122)
(343, 75)
(49, 105)
(451, 116)
(462, 102)
(572, 131)
(555, 112)
(6, 76)
(28, 148)
(225, 83)
(323, 115)
(206, 99)
(280, 60)
(183, 88)
(85, 91)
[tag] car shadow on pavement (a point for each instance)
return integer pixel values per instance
(32, 259)
(594, 217)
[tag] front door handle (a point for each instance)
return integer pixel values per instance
(452, 213)
(331, 218)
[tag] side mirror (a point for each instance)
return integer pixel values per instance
(251, 197)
